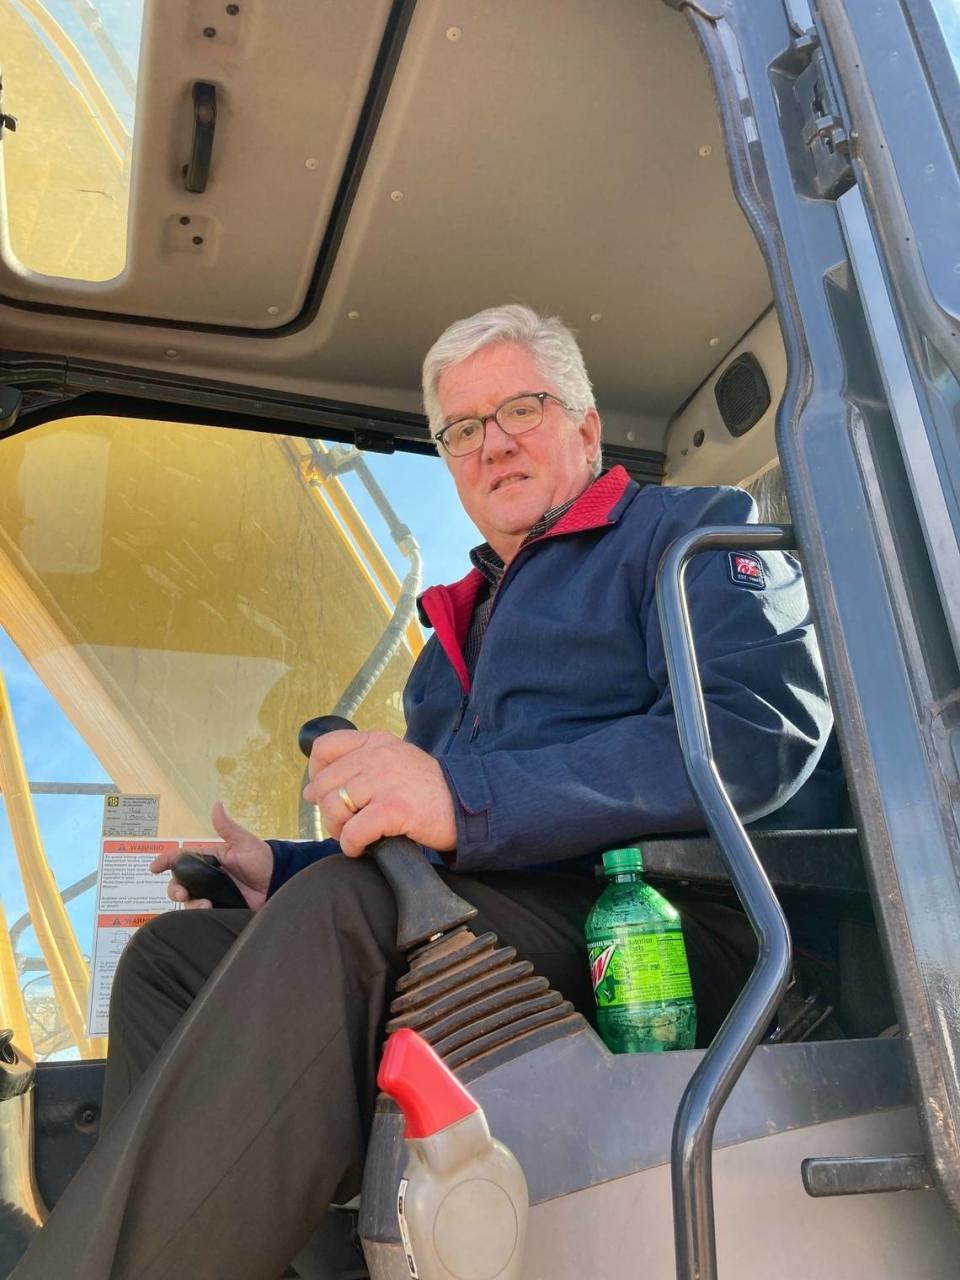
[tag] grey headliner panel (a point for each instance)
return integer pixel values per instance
(616, 213)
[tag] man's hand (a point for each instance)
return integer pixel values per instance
(245, 857)
(397, 790)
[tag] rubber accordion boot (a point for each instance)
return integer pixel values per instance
(462, 1202)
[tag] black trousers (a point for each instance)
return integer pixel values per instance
(243, 1056)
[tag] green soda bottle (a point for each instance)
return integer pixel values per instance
(638, 961)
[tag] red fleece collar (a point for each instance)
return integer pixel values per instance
(592, 509)
(449, 609)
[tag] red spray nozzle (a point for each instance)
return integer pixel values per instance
(423, 1087)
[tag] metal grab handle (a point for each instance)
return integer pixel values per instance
(727, 1056)
(426, 907)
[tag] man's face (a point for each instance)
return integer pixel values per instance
(508, 484)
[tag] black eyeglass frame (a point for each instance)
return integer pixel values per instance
(521, 395)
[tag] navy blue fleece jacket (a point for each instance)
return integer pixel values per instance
(565, 742)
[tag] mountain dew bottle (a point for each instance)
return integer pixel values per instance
(638, 961)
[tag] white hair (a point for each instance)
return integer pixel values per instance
(547, 338)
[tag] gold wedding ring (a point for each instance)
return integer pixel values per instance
(344, 795)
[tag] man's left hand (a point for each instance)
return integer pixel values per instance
(397, 790)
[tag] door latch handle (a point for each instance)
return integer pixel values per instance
(7, 121)
(196, 173)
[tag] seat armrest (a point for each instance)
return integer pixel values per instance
(827, 862)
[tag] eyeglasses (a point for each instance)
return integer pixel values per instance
(515, 417)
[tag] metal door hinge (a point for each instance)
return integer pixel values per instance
(824, 135)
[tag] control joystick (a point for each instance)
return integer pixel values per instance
(203, 877)
(464, 993)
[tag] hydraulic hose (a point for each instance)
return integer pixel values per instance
(390, 641)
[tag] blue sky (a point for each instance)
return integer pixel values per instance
(422, 493)
(69, 826)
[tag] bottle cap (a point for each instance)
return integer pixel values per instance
(615, 860)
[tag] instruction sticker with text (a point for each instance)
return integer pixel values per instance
(128, 895)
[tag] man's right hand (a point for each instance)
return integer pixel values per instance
(246, 858)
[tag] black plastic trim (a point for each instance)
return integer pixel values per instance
(646, 466)
(818, 862)
(67, 1121)
(78, 387)
(57, 388)
(864, 1175)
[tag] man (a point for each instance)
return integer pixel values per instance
(540, 731)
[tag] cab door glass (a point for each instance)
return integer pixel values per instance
(176, 600)
(70, 74)
(948, 16)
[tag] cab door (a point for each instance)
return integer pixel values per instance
(894, 69)
(842, 124)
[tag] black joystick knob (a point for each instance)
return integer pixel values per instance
(425, 906)
(203, 877)
(312, 730)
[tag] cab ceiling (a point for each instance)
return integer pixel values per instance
(563, 153)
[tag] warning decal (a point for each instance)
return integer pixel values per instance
(405, 1231)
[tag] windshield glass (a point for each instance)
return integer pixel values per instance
(70, 79)
(176, 601)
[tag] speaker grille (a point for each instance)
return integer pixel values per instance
(743, 394)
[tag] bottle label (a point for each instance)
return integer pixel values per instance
(640, 968)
